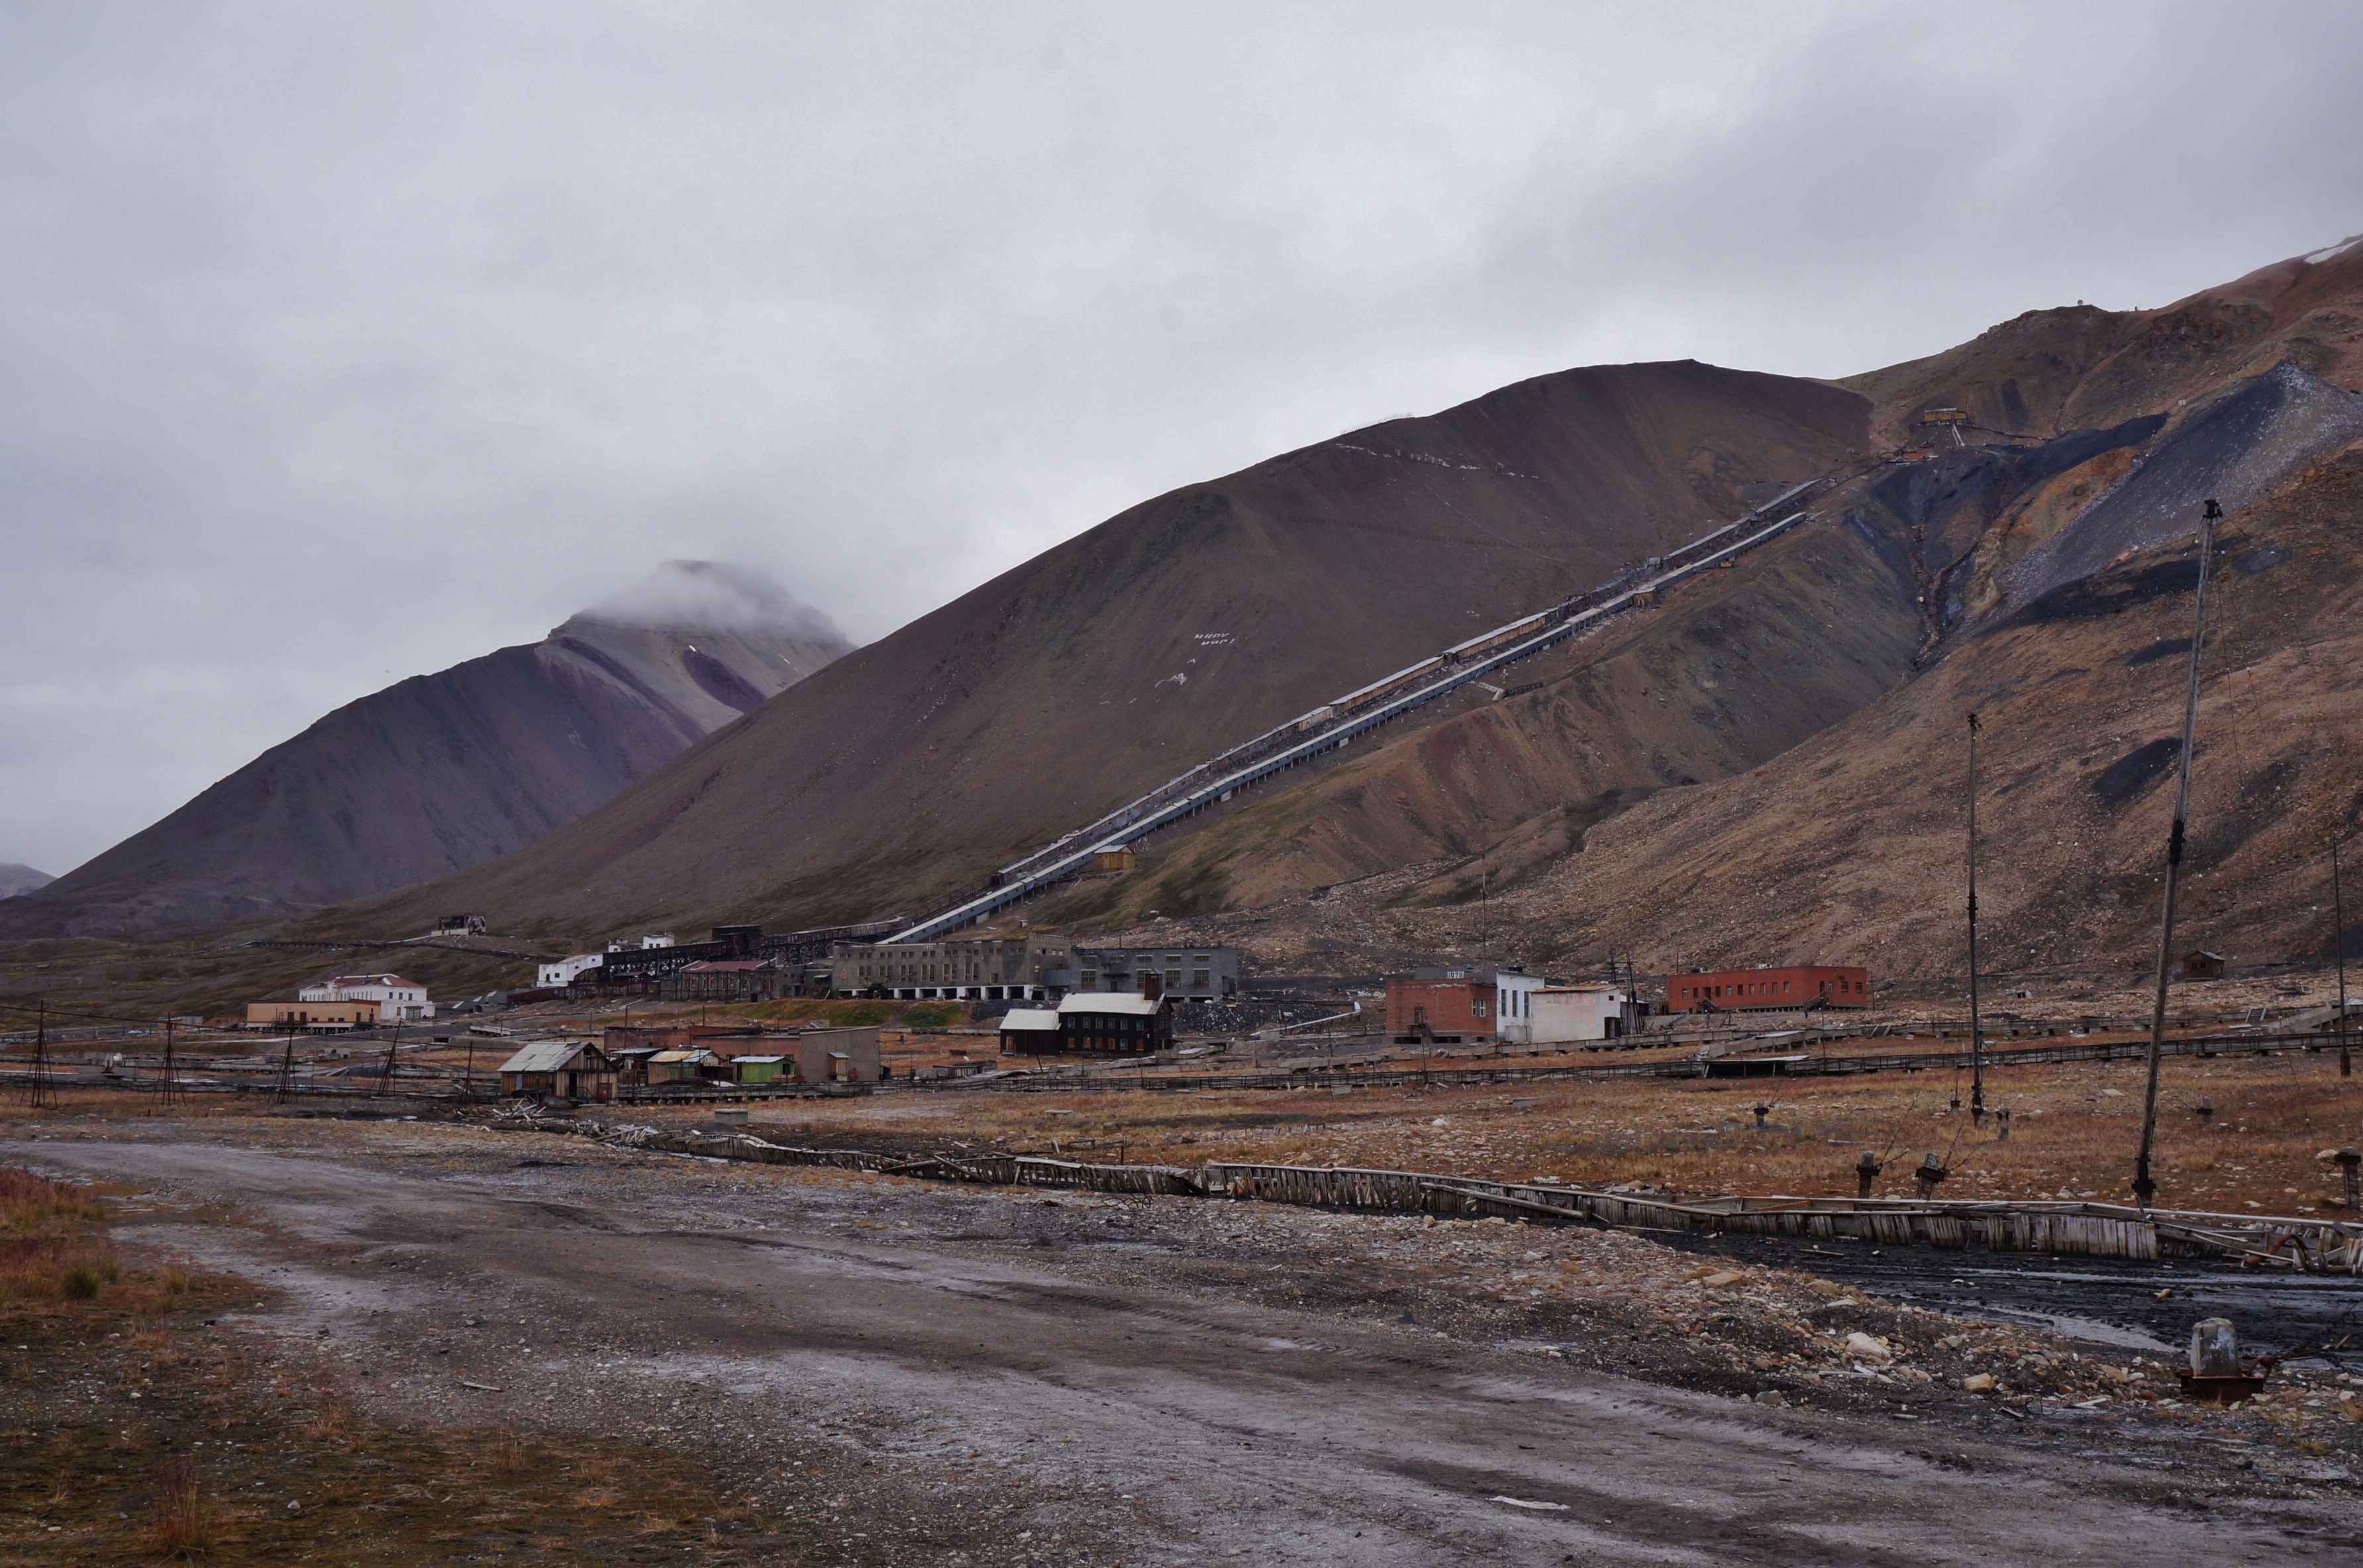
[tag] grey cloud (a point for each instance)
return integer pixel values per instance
(346, 343)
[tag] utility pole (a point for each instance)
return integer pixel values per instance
(41, 1097)
(169, 1088)
(287, 1069)
(2338, 913)
(2145, 1189)
(1977, 1030)
(385, 1075)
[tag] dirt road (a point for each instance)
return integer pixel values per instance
(939, 1375)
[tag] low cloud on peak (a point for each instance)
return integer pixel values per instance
(714, 596)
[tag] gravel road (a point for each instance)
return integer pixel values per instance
(995, 1377)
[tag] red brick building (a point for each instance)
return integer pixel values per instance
(1764, 991)
(1451, 1008)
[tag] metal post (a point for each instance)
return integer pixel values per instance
(1977, 1031)
(287, 1068)
(2338, 913)
(171, 1083)
(2145, 1188)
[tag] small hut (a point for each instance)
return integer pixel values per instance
(560, 1069)
(2200, 965)
(1030, 1032)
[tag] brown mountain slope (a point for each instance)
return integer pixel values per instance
(447, 771)
(902, 774)
(1850, 847)
(1735, 669)
(1505, 804)
(2049, 372)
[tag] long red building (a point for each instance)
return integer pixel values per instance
(1755, 990)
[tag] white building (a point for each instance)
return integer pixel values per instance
(653, 939)
(1514, 995)
(1564, 1014)
(395, 996)
(562, 972)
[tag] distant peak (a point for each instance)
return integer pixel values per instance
(713, 596)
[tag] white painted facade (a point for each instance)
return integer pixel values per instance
(395, 996)
(1514, 995)
(562, 972)
(1565, 1014)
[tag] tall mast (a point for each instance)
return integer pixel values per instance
(1977, 1030)
(2338, 913)
(2145, 1188)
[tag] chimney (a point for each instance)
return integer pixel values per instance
(1152, 984)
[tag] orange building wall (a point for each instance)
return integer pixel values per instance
(1451, 1006)
(1833, 985)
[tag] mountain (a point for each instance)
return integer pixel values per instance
(1760, 766)
(1684, 789)
(903, 774)
(444, 771)
(15, 879)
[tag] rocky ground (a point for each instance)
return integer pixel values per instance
(851, 1368)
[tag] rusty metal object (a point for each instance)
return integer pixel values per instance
(2218, 1374)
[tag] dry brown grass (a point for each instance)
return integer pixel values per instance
(2075, 1127)
(185, 1526)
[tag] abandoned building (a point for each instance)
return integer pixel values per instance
(1447, 1004)
(1768, 990)
(395, 996)
(560, 1069)
(722, 980)
(1013, 968)
(1199, 973)
(1562, 1015)
(319, 1017)
(1111, 1024)
(1030, 1032)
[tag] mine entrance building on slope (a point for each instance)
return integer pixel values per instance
(1768, 990)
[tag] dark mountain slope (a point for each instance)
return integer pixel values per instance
(447, 771)
(903, 773)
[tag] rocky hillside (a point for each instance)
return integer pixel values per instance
(905, 773)
(1621, 805)
(444, 771)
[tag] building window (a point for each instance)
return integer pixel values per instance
(1199, 979)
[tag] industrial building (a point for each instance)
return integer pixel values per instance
(1193, 973)
(395, 996)
(722, 981)
(1446, 1004)
(1013, 968)
(1567, 1015)
(1768, 990)
(1116, 1025)
(322, 1017)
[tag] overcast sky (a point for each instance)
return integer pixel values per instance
(340, 343)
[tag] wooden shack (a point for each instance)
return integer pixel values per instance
(2200, 965)
(1030, 1032)
(560, 1069)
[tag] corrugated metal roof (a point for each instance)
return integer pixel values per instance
(1031, 1018)
(771, 1061)
(545, 1056)
(1110, 1001)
